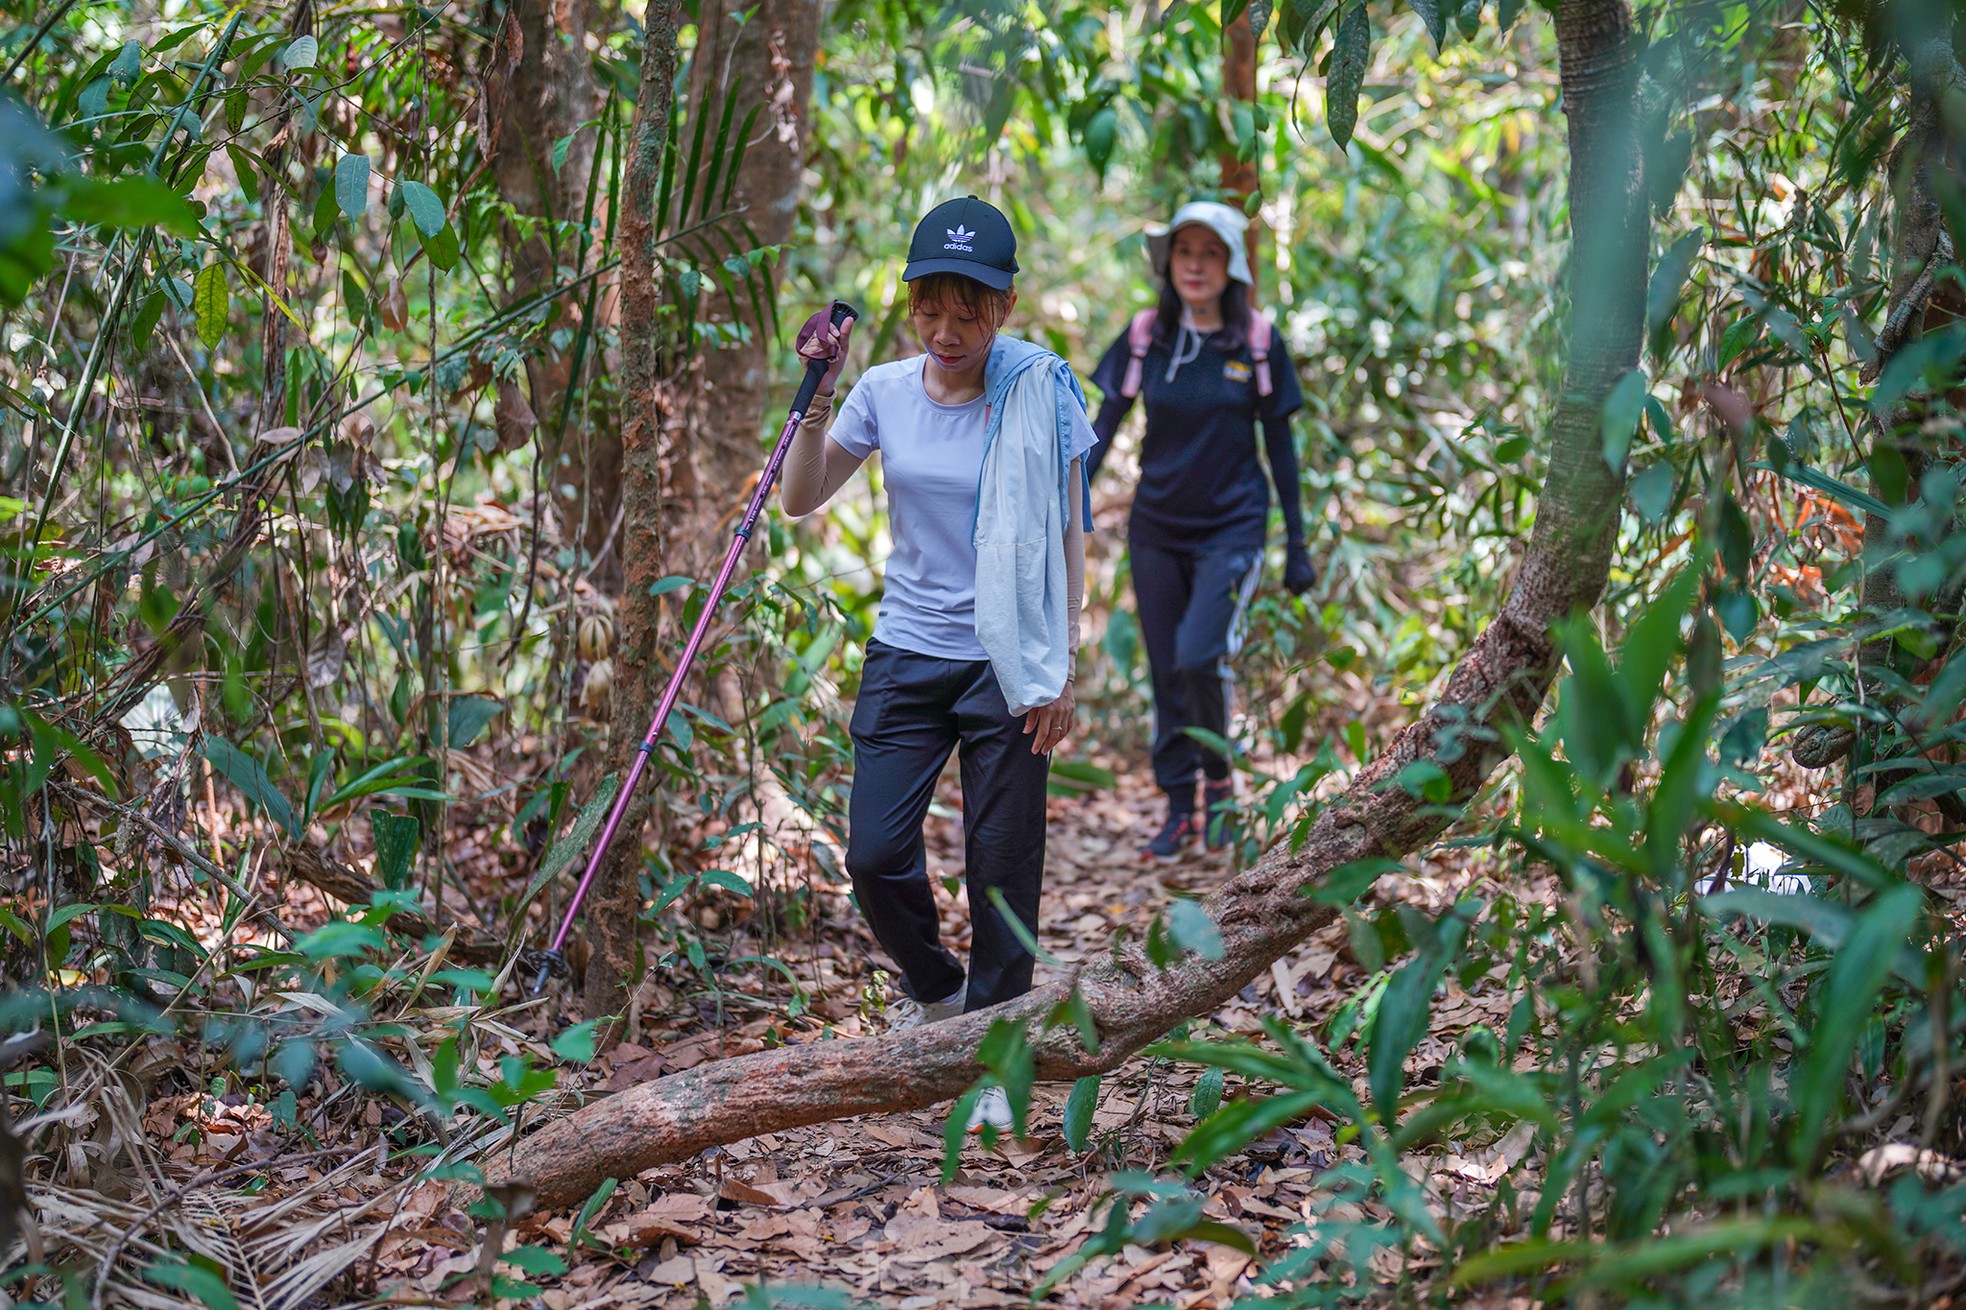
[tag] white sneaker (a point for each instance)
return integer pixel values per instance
(906, 1012)
(992, 1108)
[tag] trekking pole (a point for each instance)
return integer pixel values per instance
(549, 962)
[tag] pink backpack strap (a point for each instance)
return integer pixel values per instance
(1139, 336)
(1259, 349)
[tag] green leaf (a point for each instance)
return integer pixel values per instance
(373, 1071)
(1400, 1020)
(1740, 334)
(1100, 133)
(1429, 11)
(145, 321)
(1207, 1096)
(1081, 775)
(301, 52)
(351, 184)
(1669, 278)
(129, 63)
(1841, 492)
(211, 300)
(1619, 420)
(535, 1260)
(245, 773)
(1848, 997)
(577, 838)
(396, 837)
(1651, 493)
(1825, 921)
(442, 248)
(576, 1045)
(468, 717)
(1018, 928)
(338, 939)
(129, 203)
(1078, 1111)
(1346, 78)
(1348, 882)
(1193, 930)
(1239, 1123)
(727, 880)
(207, 1284)
(426, 210)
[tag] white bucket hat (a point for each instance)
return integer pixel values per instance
(1224, 222)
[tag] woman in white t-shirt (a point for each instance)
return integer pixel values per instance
(927, 686)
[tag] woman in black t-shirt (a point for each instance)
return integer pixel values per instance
(1208, 371)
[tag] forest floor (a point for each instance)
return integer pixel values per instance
(857, 1206)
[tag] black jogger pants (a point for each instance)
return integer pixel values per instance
(1191, 603)
(912, 711)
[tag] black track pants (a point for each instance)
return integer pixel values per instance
(1191, 604)
(913, 710)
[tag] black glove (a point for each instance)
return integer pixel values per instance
(1299, 574)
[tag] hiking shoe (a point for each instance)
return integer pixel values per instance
(1174, 837)
(906, 1012)
(1219, 814)
(992, 1108)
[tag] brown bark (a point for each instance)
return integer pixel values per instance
(1239, 177)
(613, 914)
(352, 888)
(541, 89)
(766, 50)
(1262, 913)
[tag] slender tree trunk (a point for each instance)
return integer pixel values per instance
(1922, 248)
(766, 50)
(540, 92)
(1239, 176)
(613, 914)
(1263, 913)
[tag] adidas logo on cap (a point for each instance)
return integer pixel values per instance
(959, 239)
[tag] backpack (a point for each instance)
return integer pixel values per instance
(1140, 335)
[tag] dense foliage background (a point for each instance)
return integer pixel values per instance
(315, 376)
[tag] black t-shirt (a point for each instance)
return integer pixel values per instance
(1200, 476)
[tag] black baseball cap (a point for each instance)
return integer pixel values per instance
(966, 236)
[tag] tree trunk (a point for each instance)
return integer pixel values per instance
(540, 91)
(1263, 913)
(614, 906)
(1922, 248)
(1239, 177)
(766, 50)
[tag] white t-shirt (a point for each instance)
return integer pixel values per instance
(931, 460)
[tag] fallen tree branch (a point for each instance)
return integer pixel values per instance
(178, 846)
(350, 887)
(1264, 913)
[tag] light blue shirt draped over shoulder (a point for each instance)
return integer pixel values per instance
(931, 465)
